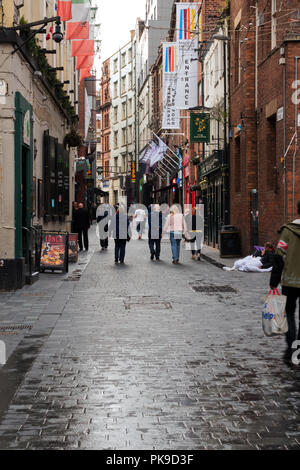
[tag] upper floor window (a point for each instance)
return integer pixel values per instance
(274, 25)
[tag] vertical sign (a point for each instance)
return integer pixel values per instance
(200, 127)
(66, 171)
(187, 40)
(171, 115)
(133, 172)
(73, 247)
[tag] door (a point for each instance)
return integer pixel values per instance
(26, 209)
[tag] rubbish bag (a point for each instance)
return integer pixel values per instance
(274, 319)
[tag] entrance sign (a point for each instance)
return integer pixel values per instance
(54, 251)
(171, 115)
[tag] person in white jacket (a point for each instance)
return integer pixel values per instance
(175, 226)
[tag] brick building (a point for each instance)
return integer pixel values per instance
(105, 123)
(264, 160)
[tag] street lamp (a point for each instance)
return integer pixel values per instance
(57, 35)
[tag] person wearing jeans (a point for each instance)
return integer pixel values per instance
(155, 231)
(176, 227)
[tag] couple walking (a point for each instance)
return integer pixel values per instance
(177, 226)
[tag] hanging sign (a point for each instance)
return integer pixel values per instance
(133, 172)
(54, 251)
(200, 127)
(187, 41)
(73, 248)
(171, 115)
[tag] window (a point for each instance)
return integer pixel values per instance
(130, 134)
(115, 65)
(115, 114)
(124, 110)
(130, 107)
(106, 169)
(116, 138)
(124, 136)
(130, 55)
(271, 153)
(123, 59)
(130, 80)
(123, 85)
(115, 89)
(274, 25)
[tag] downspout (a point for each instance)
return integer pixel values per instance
(296, 138)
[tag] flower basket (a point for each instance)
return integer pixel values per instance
(72, 139)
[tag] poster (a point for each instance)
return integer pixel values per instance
(171, 115)
(54, 251)
(73, 248)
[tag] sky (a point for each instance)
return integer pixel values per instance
(117, 18)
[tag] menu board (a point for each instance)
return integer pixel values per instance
(54, 251)
(73, 247)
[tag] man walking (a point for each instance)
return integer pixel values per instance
(287, 269)
(82, 221)
(155, 222)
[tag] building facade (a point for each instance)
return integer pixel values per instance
(264, 153)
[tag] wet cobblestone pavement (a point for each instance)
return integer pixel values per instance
(136, 357)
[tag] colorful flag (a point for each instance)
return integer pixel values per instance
(82, 48)
(85, 62)
(171, 115)
(64, 10)
(78, 27)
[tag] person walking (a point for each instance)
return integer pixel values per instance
(120, 227)
(82, 221)
(102, 214)
(286, 269)
(140, 217)
(195, 233)
(155, 224)
(175, 225)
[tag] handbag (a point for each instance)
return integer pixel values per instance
(274, 320)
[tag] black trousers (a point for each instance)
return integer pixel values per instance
(155, 247)
(104, 243)
(84, 232)
(120, 249)
(293, 294)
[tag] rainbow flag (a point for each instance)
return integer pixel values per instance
(187, 19)
(78, 27)
(64, 10)
(171, 59)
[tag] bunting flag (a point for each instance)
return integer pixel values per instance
(83, 48)
(85, 73)
(64, 10)
(85, 62)
(78, 27)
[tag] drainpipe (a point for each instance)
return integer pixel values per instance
(296, 137)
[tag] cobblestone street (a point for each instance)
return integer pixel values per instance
(144, 356)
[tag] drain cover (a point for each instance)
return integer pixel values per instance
(146, 302)
(75, 276)
(13, 329)
(212, 288)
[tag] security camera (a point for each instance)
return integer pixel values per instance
(58, 35)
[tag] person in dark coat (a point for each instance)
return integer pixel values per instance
(82, 221)
(155, 223)
(73, 224)
(103, 215)
(121, 233)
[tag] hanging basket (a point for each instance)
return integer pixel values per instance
(72, 139)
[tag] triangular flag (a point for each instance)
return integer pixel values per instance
(64, 10)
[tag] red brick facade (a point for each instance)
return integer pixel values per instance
(105, 109)
(262, 74)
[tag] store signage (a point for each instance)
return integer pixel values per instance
(133, 172)
(200, 127)
(280, 114)
(73, 247)
(54, 251)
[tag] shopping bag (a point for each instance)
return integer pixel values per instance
(274, 319)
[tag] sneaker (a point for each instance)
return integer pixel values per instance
(225, 268)
(152, 257)
(157, 259)
(116, 261)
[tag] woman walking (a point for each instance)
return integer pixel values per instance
(175, 226)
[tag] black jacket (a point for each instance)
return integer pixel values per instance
(155, 223)
(82, 219)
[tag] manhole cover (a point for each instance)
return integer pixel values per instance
(13, 329)
(75, 276)
(212, 288)
(146, 302)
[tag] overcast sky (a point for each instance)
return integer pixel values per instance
(117, 18)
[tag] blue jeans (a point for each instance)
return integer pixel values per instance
(175, 238)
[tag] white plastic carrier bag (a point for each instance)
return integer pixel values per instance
(274, 319)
